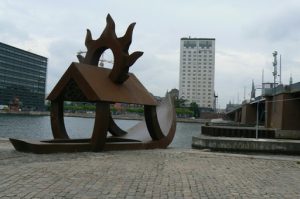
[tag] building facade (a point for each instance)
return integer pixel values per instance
(197, 71)
(22, 78)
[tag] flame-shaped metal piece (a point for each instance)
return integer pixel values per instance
(119, 46)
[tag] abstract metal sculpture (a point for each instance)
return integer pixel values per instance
(85, 81)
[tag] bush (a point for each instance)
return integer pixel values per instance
(184, 111)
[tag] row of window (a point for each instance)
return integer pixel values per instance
(199, 95)
(24, 54)
(195, 59)
(209, 88)
(199, 74)
(194, 56)
(204, 44)
(198, 87)
(199, 59)
(22, 68)
(21, 81)
(200, 51)
(22, 73)
(204, 81)
(194, 82)
(195, 70)
(189, 56)
(199, 43)
(203, 98)
(195, 95)
(196, 74)
(198, 77)
(200, 84)
(193, 48)
(196, 63)
(35, 90)
(197, 67)
(20, 61)
(23, 78)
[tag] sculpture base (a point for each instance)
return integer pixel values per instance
(79, 145)
(138, 137)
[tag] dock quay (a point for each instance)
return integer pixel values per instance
(247, 138)
(169, 173)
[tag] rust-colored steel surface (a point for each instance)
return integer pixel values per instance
(87, 82)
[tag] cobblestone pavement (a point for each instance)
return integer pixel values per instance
(171, 173)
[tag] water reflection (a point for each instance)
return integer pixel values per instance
(38, 127)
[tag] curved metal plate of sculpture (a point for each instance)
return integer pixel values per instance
(87, 82)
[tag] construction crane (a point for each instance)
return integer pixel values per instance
(80, 57)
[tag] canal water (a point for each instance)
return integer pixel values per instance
(38, 127)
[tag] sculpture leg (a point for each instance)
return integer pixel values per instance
(57, 120)
(152, 123)
(114, 129)
(101, 126)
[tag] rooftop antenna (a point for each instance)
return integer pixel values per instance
(291, 79)
(275, 75)
(252, 91)
(275, 66)
(262, 77)
(262, 80)
(280, 69)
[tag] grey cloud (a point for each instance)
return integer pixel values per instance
(252, 28)
(10, 31)
(284, 26)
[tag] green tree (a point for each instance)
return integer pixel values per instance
(179, 102)
(195, 108)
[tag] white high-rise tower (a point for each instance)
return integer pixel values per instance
(197, 71)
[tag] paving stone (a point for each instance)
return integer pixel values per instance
(171, 173)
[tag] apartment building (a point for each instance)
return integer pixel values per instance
(197, 71)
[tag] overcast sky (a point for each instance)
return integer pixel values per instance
(246, 33)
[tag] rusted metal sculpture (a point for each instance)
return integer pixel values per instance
(85, 81)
